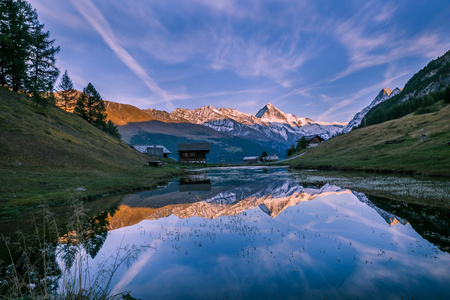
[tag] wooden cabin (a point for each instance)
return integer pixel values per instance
(313, 140)
(193, 152)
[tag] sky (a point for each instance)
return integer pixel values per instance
(325, 60)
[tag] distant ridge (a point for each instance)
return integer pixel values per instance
(269, 127)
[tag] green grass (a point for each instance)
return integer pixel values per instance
(414, 144)
(46, 154)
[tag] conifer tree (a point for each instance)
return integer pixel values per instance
(301, 144)
(16, 20)
(66, 91)
(90, 107)
(42, 70)
(291, 150)
(112, 129)
(447, 95)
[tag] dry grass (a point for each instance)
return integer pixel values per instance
(46, 154)
(51, 264)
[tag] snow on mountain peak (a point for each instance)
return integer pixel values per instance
(271, 126)
(382, 96)
(270, 113)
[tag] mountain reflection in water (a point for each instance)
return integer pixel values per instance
(244, 233)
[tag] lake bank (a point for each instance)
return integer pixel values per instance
(30, 188)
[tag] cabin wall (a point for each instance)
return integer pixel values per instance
(192, 156)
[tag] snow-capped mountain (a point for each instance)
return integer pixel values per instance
(270, 114)
(382, 96)
(270, 126)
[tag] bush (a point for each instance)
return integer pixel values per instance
(447, 95)
(426, 110)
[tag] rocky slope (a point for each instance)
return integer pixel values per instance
(382, 96)
(434, 77)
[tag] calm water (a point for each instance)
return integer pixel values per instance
(258, 233)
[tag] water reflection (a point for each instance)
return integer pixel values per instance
(249, 234)
(255, 233)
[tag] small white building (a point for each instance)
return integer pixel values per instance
(251, 159)
(271, 158)
(153, 150)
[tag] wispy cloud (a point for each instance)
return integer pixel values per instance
(369, 46)
(249, 58)
(95, 18)
(366, 92)
(273, 50)
(63, 16)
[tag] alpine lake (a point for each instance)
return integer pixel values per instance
(244, 233)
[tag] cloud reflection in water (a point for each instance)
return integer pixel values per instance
(270, 238)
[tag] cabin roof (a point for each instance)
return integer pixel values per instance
(251, 157)
(310, 137)
(193, 147)
(143, 148)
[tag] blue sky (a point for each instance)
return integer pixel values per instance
(325, 60)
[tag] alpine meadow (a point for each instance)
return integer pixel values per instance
(224, 149)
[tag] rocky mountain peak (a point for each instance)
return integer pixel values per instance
(269, 111)
(382, 96)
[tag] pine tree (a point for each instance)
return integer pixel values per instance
(17, 17)
(42, 70)
(90, 107)
(66, 91)
(80, 108)
(301, 144)
(16, 20)
(112, 129)
(291, 150)
(447, 95)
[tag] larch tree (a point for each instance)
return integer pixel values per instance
(16, 21)
(90, 107)
(42, 70)
(301, 144)
(447, 95)
(67, 94)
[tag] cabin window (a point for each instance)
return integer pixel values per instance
(192, 154)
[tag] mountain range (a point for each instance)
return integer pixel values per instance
(269, 130)
(270, 127)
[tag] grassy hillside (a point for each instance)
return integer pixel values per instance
(414, 144)
(424, 88)
(46, 154)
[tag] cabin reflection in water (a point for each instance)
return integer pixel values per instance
(194, 184)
